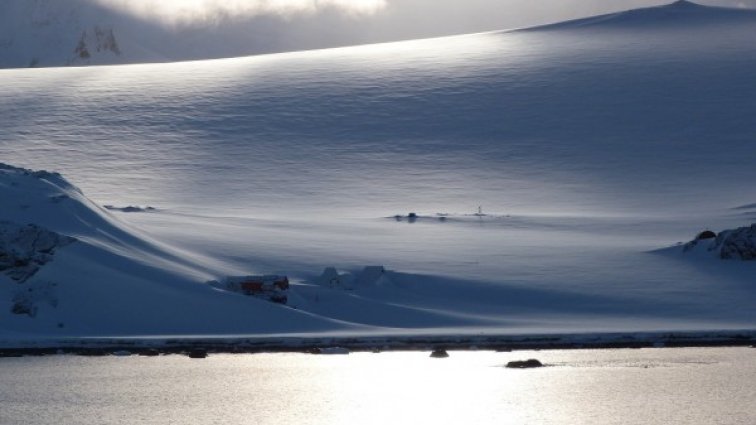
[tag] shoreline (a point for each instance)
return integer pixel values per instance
(321, 345)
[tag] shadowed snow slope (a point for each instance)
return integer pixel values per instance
(113, 280)
(677, 15)
(587, 146)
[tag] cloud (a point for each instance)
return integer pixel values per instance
(178, 11)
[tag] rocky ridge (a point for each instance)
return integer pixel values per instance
(732, 244)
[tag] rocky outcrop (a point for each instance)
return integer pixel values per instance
(98, 39)
(28, 297)
(738, 244)
(524, 364)
(734, 244)
(24, 249)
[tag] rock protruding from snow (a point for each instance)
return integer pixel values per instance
(24, 249)
(739, 244)
(96, 40)
(706, 234)
(735, 244)
(27, 298)
(130, 208)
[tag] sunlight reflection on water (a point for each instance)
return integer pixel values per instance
(660, 386)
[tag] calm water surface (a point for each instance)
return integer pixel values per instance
(649, 386)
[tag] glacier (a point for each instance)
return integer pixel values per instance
(587, 146)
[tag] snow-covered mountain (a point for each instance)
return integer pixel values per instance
(678, 15)
(587, 146)
(37, 33)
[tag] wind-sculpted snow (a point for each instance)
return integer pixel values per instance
(573, 119)
(560, 159)
(114, 280)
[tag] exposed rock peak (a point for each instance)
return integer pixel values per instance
(97, 40)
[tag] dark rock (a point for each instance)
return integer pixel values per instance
(329, 350)
(738, 244)
(93, 352)
(24, 249)
(279, 298)
(30, 295)
(524, 364)
(130, 208)
(24, 306)
(706, 234)
(439, 354)
(197, 353)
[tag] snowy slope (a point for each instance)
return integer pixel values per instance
(678, 15)
(589, 147)
(112, 279)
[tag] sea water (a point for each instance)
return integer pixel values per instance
(647, 386)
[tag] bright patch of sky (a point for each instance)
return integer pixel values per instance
(400, 18)
(190, 10)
